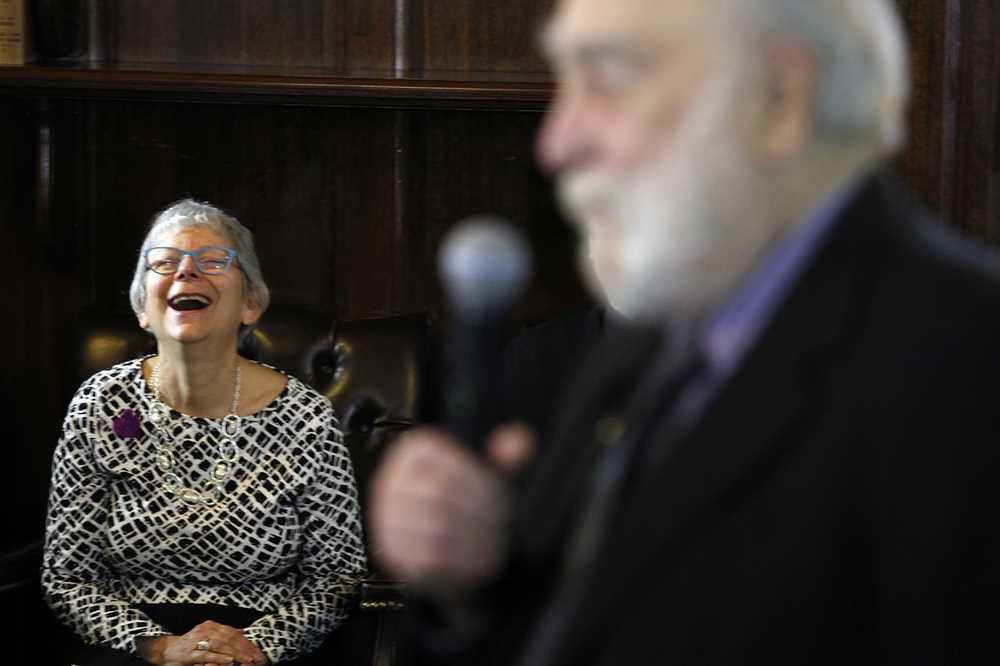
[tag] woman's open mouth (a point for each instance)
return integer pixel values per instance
(188, 302)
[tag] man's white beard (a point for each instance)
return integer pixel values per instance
(670, 240)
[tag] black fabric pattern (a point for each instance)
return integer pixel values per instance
(284, 539)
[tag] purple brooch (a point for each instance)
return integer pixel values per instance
(127, 425)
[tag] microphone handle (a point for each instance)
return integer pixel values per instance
(472, 376)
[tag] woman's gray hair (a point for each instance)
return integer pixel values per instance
(861, 48)
(188, 213)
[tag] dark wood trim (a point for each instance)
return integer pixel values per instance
(951, 92)
(270, 85)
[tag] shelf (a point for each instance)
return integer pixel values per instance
(277, 85)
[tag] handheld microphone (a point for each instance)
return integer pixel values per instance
(483, 264)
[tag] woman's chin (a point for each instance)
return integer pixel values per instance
(186, 334)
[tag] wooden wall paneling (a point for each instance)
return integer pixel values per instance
(926, 155)
(101, 28)
(470, 35)
(43, 258)
(348, 34)
(64, 244)
(22, 385)
(976, 178)
(291, 174)
(18, 166)
(392, 273)
(304, 173)
(369, 249)
(460, 35)
(466, 163)
(407, 227)
(360, 34)
(950, 158)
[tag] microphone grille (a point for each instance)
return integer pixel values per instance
(483, 262)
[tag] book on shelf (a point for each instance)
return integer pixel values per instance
(13, 32)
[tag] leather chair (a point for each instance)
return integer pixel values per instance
(372, 370)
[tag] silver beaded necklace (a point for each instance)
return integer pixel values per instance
(214, 488)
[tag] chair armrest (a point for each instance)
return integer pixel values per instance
(386, 602)
(383, 595)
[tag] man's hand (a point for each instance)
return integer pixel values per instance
(227, 645)
(439, 512)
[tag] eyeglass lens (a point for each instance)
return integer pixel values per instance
(209, 260)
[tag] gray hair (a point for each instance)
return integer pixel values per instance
(188, 213)
(862, 49)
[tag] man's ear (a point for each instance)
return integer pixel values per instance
(143, 320)
(789, 87)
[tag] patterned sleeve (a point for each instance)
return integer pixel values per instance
(331, 562)
(76, 579)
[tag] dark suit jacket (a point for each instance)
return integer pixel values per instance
(538, 365)
(835, 503)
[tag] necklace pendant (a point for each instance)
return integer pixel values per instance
(214, 489)
(164, 460)
(158, 414)
(172, 483)
(162, 441)
(190, 495)
(212, 493)
(228, 451)
(230, 426)
(221, 471)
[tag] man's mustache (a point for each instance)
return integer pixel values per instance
(582, 194)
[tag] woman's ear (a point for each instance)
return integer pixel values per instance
(251, 311)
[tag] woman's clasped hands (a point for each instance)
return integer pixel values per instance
(207, 643)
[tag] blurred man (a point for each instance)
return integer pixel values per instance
(795, 463)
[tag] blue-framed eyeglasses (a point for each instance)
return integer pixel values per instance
(210, 260)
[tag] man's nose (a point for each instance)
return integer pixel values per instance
(563, 140)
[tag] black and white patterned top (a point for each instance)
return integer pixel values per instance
(284, 539)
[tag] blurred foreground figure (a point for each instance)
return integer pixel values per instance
(796, 462)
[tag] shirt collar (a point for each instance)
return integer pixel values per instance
(735, 325)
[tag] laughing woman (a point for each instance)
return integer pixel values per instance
(203, 507)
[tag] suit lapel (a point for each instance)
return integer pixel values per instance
(548, 504)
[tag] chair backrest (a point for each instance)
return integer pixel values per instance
(374, 374)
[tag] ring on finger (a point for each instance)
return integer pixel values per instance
(203, 645)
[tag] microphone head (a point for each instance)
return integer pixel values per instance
(483, 263)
